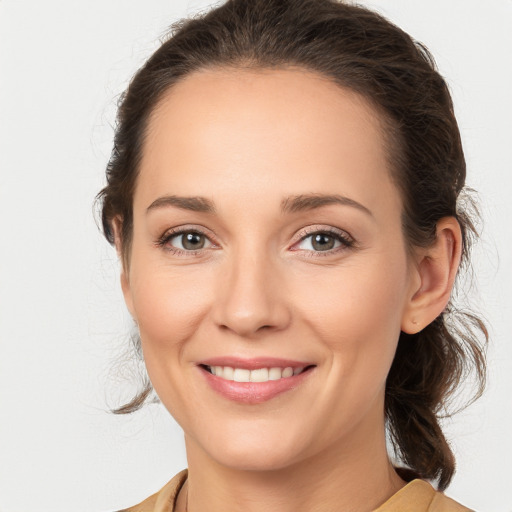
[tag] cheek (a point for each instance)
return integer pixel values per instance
(356, 315)
(367, 294)
(168, 306)
(357, 312)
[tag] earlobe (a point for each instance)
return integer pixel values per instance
(435, 275)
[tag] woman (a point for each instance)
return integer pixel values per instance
(284, 196)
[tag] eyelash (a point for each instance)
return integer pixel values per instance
(347, 242)
(164, 240)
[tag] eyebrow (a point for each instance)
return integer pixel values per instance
(305, 202)
(291, 204)
(195, 204)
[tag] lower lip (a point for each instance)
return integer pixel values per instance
(253, 392)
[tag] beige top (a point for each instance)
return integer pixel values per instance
(417, 496)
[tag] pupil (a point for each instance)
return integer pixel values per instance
(193, 241)
(323, 242)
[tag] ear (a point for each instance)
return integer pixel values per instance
(117, 225)
(435, 272)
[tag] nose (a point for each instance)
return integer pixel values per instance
(252, 297)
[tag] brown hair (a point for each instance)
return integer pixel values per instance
(362, 51)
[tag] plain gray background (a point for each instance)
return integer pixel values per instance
(62, 320)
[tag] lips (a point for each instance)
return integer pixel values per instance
(253, 381)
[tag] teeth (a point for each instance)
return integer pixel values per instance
(287, 372)
(241, 375)
(260, 375)
(275, 374)
(257, 375)
(228, 373)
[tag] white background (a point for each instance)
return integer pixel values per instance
(62, 321)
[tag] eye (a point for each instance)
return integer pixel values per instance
(189, 241)
(184, 241)
(326, 240)
(319, 242)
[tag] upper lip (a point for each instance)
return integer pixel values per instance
(254, 363)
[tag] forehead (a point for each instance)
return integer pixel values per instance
(226, 128)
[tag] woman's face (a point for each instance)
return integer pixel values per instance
(267, 235)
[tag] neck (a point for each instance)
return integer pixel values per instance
(354, 479)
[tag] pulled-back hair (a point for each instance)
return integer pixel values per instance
(361, 51)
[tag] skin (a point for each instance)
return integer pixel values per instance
(245, 140)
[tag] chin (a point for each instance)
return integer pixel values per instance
(260, 460)
(256, 453)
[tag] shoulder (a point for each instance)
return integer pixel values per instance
(442, 503)
(420, 496)
(164, 499)
(417, 495)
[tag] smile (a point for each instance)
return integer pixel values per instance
(256, 375)
(254, 381)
